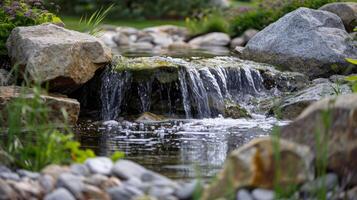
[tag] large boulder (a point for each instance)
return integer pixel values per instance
(256, 165)
(55, 103)
(347, 11)
(65, 59)
(332, 124)
(309, 41)
(293, 105)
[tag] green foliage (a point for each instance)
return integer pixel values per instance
(21, 13)
(352, 79)
(32, 140)
(269, 11)
(117, 155)
(206, 23)
(95, 20)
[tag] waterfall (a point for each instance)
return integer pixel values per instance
(114, 87)
(201, 91)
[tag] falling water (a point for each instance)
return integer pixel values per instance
(204, 89)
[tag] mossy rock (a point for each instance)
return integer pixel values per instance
(235, 111)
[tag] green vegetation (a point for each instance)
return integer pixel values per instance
(21, 13)
(352, 79)
(72, 22)
(205, 23)
(94, 22)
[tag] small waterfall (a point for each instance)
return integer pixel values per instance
(113, 91)
(199, 91)
(144, 92)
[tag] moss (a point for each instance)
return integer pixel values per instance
(235, 111)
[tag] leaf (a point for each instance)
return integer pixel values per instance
(353, 61)
(117, 155)
(354, 88)
(351, 78)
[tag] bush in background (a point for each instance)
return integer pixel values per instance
(212, 21)
(22, 13)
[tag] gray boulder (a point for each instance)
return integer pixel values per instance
(347, 11)
(293, 105)
(64, 58)
(309, 41)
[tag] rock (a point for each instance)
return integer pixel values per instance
(254, 165)
(161, 39)
(262, 194)
(121, 39)
(59, 194)
(211, 39)
(327, 182)
(99, 165)
(6, 192)
(249, 34)
(150, 117)
(187, 191)
(179, 45)
(80, 169)
(47, 183)
(3, 168)
(171, 30)
(6, 78)
(293, 105)
(27, 189)
(9, 176)
(124, 192)
(352, 194)
(347, 11)
(235, 111)
(142, 45)
(108, 38)
(161, 192)
(244, 194)
(72, 183)
(64, 58)
(111, 182)
(96, 180)
(28, 174)
(333, 120)
(237, 42)
(54, 102)
(308, 41)
(92, 192)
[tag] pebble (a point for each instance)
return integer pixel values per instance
(47, 182)
(4, 169)
(6, 192)
(161, 192)
(72, 183)
(55, 170)
(263, 194)
(80, 169)
(124, 192)
(29, 174)
(59, 194)
(244, 194)
(99, 165)
(96, 179)
(125, 169)
(10, 176)
(92, 192)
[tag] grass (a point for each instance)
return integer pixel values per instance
(72, 22)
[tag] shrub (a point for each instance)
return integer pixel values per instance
(268, 11)
(205, 23)
(22, 13)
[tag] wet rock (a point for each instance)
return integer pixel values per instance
(6, 192)
(244, 194)
(99, 165)
(80, 169)
(72, 183)
(293, 105)
(150, 117)
(333, 120)
(281, 43)
(60, 194)
(124, 192)
(235, 111)
(254, 165)
(54, 102)
(327, 182)
(6, 78)
(262, 194)
(347, 11)
(211, 39)
(64, 58)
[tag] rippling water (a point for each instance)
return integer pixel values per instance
(180, 149)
